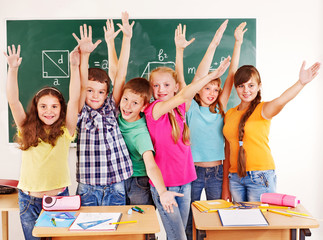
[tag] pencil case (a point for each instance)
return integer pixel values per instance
(279, 199)
(61, 203)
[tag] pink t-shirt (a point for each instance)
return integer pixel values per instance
(174, 160)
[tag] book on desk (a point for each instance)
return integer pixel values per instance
(242, 217)
(99, 221)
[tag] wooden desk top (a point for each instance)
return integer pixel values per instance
(9, 202)
(147, 223)
(211, 221)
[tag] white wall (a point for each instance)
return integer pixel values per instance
(287, 32)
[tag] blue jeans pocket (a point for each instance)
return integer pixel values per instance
(219, 172)
(23, 205)
(264, 178)
(85, 191)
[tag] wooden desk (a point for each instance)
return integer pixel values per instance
(208, 226)
(145, 228)
(8, 202)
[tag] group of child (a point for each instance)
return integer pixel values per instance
(131, 151)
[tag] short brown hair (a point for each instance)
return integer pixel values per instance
(99, 75)
(141, 87)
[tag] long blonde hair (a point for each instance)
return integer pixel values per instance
(176, 132)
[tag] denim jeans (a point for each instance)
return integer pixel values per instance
(138, 191)
(249, 188)
(108, 195)
(175, 223)
(30, 208)
(209, 178)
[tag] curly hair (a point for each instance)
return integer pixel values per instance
(33, 129)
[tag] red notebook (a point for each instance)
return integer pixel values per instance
(9, 183)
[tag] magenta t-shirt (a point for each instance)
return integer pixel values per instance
(174, 160)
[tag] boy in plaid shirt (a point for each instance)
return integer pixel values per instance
(103, 161)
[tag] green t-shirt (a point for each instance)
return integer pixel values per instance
(138, 141)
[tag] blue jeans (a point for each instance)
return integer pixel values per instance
(249, 188)
(175, 223)
(209, 178)
(108, 195)
(138, 191)
(30, 208)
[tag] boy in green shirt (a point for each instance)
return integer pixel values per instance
(136, 95)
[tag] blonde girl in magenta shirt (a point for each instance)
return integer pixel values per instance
(170, 136)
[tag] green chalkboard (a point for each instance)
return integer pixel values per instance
(45, 47)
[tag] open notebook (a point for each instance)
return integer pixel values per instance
(242, 217)
(96, 222)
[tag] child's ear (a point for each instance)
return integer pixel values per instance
(143, 107)
(176, 87)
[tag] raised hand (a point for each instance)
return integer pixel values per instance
(240, 31)
(85, 43)
(180, 37)
(307, 75)
(221, 69)
(75, 56)
(126, 28)
(13, 56)
(219, 33)
(109, 33)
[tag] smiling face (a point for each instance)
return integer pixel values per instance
(164, 85)
(96, 93)
(131, 105)
(49, 109)
(209, 93)
(248, 91)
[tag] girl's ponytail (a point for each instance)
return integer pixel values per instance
(242, 172)
(176, 132)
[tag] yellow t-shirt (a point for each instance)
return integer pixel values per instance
(255, 140)
(45, 167)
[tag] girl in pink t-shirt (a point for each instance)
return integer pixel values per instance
(170, 136)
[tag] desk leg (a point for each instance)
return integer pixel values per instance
(150, 237)
(4, 215)
(293, 234)
(200, 234)
(304, 233)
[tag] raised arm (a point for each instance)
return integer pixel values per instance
(14, 61)
(204, 66)
(238, 35)
(126, 28)
(167, 198)
(86, 47)
(181, 43)
(272, 108)
(110, 35)
(188, 92)
(74, 91)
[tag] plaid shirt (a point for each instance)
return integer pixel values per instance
(102, 154)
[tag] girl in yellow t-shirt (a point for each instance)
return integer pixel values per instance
(44, 135)
(251, 168)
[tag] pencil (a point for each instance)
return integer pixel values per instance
(124, 222)
(297, 213)
(279, 212)
(277, 207)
